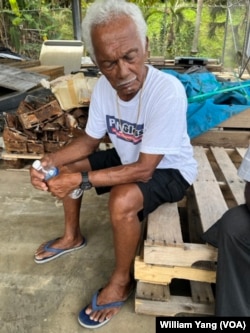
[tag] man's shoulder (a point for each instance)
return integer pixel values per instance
(102, 85)
(162, 75)
(164, 81)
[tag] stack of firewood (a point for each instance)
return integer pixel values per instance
(40, 125)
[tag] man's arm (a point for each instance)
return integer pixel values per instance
(141, 170)
(78, 149)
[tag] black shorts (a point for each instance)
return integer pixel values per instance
(166, 185)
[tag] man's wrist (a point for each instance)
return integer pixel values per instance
(85, 184)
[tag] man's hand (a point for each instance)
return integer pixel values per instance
(37, 179)
(63, 184)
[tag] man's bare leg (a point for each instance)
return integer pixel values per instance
(125, 202)
(72, 236)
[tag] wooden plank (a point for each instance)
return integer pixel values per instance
(229, 171)
(159, 274)
(241, 151)
(176, 255)
(25, 63)
(201, 292)
(19, 80)
(205, 172)
(154, 292)
(164, 225)
(210, 210)
(52, 72)
(31, 156)
(11, 156)
(236, 154)
(240, 120)
(178, 305)
(223, 138)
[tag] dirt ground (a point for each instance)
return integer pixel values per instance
(48, 297)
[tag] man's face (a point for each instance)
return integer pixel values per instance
(120, 55)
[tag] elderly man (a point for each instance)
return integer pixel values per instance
(143, 110)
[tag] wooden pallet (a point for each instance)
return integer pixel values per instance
(234, 132)
(18, 160)
(173, 250)
(160, 62)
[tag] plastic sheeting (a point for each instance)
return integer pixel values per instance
(208, 112)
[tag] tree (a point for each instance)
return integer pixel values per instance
(25, 24)
(195, 42)
(176, 18)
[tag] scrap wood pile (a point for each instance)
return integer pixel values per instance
(41, 129)
(45, 122)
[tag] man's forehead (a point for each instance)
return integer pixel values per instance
(122, 21)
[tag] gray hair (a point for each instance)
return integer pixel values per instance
(103, 11)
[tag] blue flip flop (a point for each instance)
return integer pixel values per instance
(57, 252)
(84, 319)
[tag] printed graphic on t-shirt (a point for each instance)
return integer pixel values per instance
(125, 130)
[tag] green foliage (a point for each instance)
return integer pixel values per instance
(15, 36)
(33, 21)
(63, 24)
(171, 26)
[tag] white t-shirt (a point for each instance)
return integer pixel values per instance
(160, 129)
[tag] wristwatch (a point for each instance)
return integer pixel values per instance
(85, 184)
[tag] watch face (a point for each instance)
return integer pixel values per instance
(87, 186)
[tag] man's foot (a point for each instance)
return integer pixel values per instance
(105, 304)
(55, 248)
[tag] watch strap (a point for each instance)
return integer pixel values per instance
(85, 184)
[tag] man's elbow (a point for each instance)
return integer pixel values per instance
(145, 176)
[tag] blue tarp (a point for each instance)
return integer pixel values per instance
(209, 112)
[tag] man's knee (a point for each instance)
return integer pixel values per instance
(125, 199)
(235, 221)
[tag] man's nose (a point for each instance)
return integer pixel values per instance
(123, 69)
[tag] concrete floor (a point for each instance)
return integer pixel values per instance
(47, 298)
